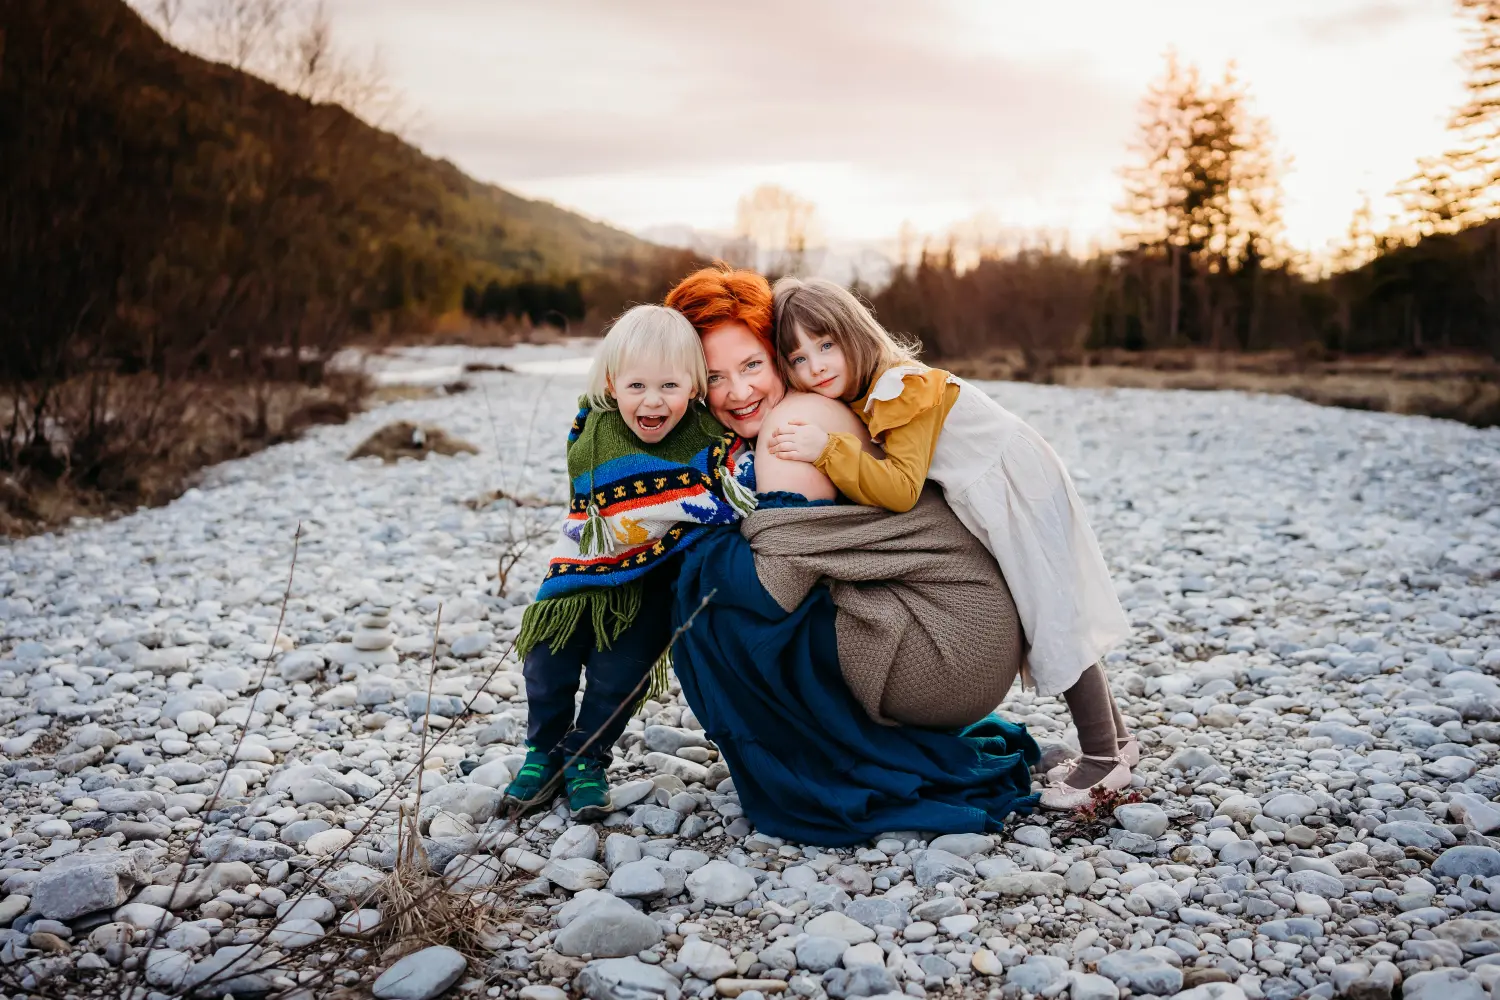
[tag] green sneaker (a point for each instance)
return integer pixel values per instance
(588, 790)
(537, 782)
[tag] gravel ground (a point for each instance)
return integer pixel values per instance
(1313, 671)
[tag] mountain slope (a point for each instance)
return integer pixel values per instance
(155, 204)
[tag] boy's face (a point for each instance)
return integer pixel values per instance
(652, 398)
(818, 365)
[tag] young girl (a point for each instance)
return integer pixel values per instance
(646, 464)
(1002, 480)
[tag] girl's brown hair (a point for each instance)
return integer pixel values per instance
(819, 306)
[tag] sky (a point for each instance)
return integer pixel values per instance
(884, 112)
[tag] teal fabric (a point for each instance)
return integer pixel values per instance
(808, 763)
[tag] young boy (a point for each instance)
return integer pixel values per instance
(647, 468)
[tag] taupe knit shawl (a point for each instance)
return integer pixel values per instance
(927, 630)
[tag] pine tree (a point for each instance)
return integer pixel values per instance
(1468, 176)
(1204, 195)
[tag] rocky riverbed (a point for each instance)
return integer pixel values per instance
(1313, 673)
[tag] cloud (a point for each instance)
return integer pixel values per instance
(601, 88)
(1360, 20)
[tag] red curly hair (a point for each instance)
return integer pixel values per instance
(720, 294)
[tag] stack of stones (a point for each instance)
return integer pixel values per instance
(372, 641)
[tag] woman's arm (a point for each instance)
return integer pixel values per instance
(895, 481)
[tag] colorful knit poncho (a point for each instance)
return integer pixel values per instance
(633, 506)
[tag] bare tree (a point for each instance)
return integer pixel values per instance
(165, 13)
(779, 223)
(244, 33)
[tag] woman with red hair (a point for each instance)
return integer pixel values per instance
(845, 659)
(731, 309)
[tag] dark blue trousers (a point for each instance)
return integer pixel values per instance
(613, 676)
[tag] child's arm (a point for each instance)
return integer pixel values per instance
(894, 482)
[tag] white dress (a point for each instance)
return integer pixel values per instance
(1010, 490)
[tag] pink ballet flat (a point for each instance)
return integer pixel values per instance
(1062, 797)
(1130, 756)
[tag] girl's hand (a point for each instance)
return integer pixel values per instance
(799, 441)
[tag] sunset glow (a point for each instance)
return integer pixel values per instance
(644, 115)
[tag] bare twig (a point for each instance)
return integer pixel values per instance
(213, 799)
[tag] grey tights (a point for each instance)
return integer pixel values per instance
(1101, 727)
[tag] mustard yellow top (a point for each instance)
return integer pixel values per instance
(907, 427)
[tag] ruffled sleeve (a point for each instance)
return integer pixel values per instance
(898, 403)
(900, 395)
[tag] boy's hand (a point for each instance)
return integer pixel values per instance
(799, 441)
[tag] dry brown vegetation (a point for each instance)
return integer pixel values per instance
(115, 442)
(404, 439)
(1463, 387)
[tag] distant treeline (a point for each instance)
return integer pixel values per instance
(1441, 294)
(1204, 264)
(539, 302)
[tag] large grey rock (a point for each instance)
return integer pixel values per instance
(1443, 984)
(627, 979)
(1467, 859)
(120, 800)
(879, 911)
(963, 845)
(935, 865)
(720, 883)
(1144, 973)
(638, 880)
(226, 847)
(863, 981)
(85, 882)
(608, 928)
(1037, 973)
(1143, 818)
(668, 739)
(1290, 806)
(1317, 883)
(233, 969)
(478, 802)
(1091, 986)
(1025, 884)
(576, 874)
(421, 975)
(705, 960)
(819, 953)
(836, 925)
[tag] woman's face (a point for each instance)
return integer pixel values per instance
(743, 384)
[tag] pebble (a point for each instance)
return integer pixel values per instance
(1312, 675)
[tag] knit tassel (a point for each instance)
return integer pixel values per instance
(740, 498)
(596, 538)
(553, 621)
(659, 679)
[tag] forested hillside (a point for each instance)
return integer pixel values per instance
(162, 210)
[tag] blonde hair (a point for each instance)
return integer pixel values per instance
(817, 306)
(647, 334)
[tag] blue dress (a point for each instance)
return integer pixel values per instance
(809, 765)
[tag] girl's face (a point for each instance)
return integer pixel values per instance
(743, 384)
(818, 365)
(652, 398)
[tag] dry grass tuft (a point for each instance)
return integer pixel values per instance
(420, 910)
(404, 439)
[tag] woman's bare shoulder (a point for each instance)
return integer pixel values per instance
(830, 414)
